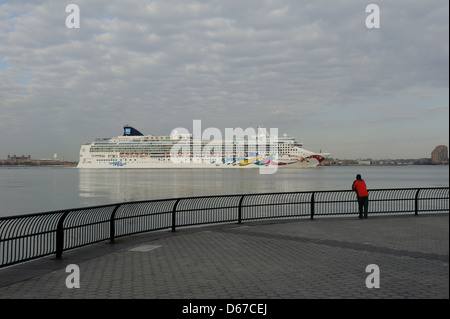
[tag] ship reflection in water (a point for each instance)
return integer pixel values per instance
(106, 186)
(101, 186)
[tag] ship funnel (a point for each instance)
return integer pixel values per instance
(131, 131)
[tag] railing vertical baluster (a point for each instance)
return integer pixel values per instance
(60, 235)
(416, 203)
(240, 210)
(174, 211)
(112, 225)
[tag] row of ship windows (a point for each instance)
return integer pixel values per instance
(168, 149)
(149, 160)
(135, 160)
(103, 158)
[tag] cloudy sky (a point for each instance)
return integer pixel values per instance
(309, 68)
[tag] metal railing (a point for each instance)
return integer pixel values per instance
(31, 236)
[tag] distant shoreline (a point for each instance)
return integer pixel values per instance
(66, 164)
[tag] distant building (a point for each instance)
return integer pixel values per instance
(329, 162)
(439, 155)
(19, 159)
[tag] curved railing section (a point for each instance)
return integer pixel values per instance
(31, 236)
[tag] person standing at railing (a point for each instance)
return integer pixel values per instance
(359, 185)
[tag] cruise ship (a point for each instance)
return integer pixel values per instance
(136, 150)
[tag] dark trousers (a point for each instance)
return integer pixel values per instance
(363, 205)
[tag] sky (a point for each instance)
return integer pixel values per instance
(311, 69)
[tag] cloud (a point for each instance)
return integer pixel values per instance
(160, 64)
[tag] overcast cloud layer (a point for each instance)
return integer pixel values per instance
(309, 68)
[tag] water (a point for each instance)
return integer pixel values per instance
(25, 190)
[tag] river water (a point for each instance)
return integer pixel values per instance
(25, 190)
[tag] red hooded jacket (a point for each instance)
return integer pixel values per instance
(361, 189)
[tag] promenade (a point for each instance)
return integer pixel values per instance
(272, 259)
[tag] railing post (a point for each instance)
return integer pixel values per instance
(112, 225)
(312, 206)
(174, 211)
(240, 210)
(416, 203)
(60, 236)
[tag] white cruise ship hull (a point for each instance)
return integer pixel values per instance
(308, 163)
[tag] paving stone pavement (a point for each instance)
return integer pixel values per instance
(279, 259)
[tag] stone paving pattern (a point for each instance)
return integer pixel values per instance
(278, 259)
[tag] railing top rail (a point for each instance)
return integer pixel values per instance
(208, 196)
